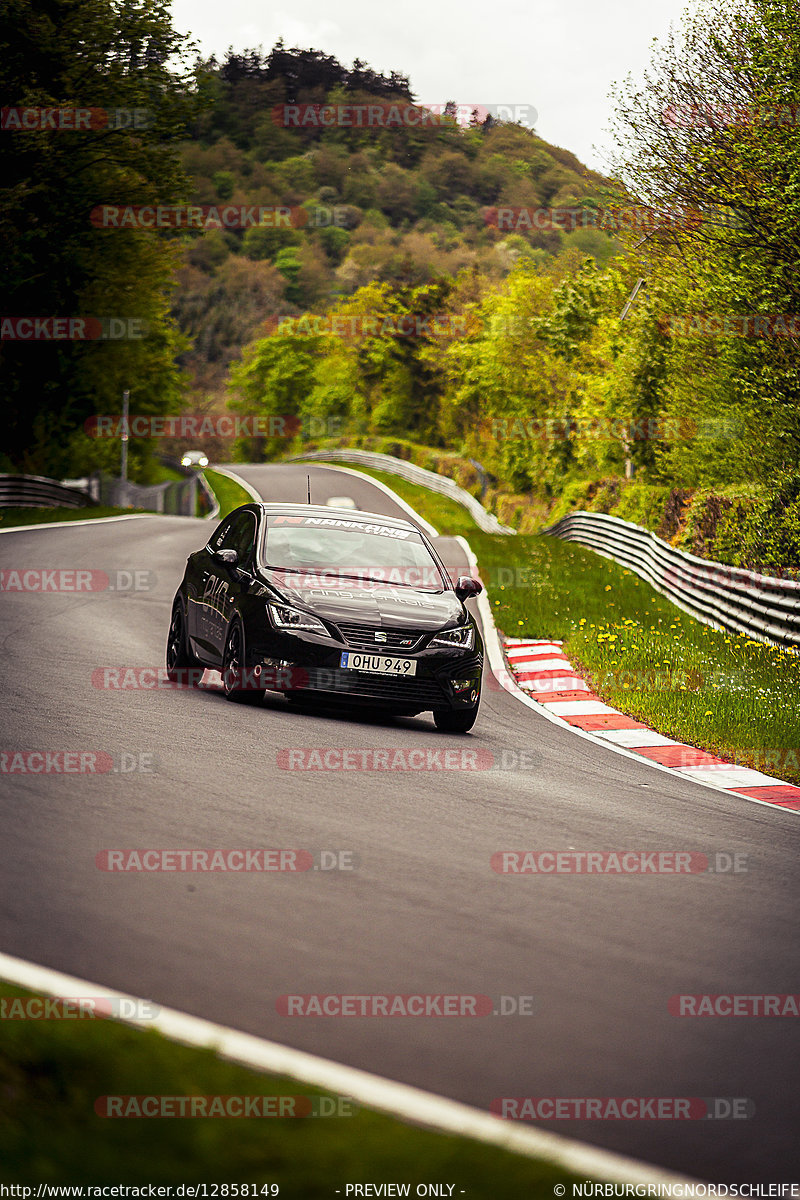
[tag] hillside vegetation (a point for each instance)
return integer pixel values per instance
(657, 370)
(401, 204)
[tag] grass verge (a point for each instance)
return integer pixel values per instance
(722, 692)
(10, 518)
(445, 514)
(53, 1071)
(230, 495)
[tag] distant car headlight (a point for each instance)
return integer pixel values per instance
(463, 637)
(285, 617)
(186, 461)
(202, 462)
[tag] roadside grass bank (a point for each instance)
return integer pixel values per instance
(52, 1073)
(229, 493)
(721, 692)
(10, 518)
(445, 514)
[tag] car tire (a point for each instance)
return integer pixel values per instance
(450, 720)
(234, 682)
(180, 660)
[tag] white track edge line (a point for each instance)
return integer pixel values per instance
(90, 521)
(247, 487)
(384, 487)
(386, 1095)
(211, 516)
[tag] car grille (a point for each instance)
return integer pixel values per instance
(426, 693)
(362, 637)
(468, 665)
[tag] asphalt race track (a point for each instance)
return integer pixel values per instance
(423, 911)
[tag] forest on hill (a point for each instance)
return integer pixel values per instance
(398, 202)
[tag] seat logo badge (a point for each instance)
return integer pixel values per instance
(380, 636)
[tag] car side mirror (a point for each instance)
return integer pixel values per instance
(466, 586)
(229, 557)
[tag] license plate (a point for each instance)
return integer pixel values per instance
(377, 664)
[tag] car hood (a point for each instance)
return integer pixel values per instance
(375, 604)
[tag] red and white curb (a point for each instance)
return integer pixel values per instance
(545, 673)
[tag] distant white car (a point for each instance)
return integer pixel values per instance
(341, 502)
(194, 458)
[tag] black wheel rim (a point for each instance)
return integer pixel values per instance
(231, 675)
(175, 642)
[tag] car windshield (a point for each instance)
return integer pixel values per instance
(331, 548)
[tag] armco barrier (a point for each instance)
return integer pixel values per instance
(35, 491)
(413, 474)
(176, 498)
(732, 598)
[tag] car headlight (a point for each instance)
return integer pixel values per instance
(185, 461)
(463, 637)
(285, 617)
(202, 462)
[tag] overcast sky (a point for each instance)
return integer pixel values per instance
(560, 56)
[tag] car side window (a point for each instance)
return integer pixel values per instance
(221, 536)
(237, 533)
(244, 538)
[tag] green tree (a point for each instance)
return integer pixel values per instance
(713, 131)
(109, 55)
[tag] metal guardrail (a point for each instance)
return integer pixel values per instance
(36, 491)
(732, 598)
(413, 474)
(209, 504)
(176, 498)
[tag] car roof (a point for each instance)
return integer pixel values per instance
(323, 510)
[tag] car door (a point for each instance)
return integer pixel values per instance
(226, 581)
(212, 580)
(197, 616)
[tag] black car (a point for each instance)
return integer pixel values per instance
(331, 607)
